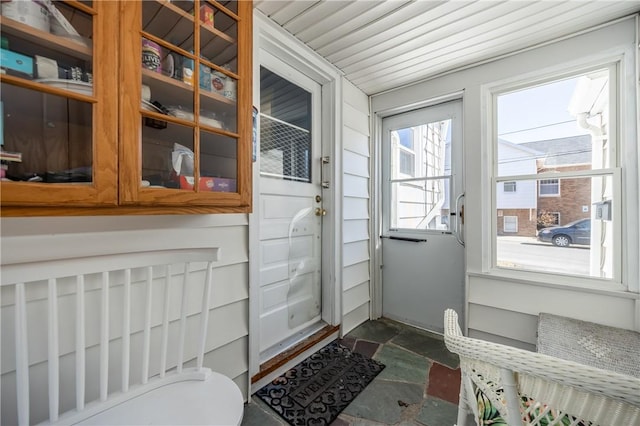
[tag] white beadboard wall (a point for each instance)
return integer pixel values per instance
(27, 240)
(356, 218)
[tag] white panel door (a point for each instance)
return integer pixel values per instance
(291, 211)
(422, 250)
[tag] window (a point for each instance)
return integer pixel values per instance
(285, 129)
(420, 201)
(558, 130)
(419, 156)
(549, 187)
(547, 219)
(509, 187)
(407, 162)
(510, 223)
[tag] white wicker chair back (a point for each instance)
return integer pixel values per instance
(529, 388)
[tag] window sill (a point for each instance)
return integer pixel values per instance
(572, 283)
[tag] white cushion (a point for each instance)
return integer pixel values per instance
(588, 343)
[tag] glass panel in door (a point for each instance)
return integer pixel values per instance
(420, 176)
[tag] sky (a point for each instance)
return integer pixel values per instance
(543, 110)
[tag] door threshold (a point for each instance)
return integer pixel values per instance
(276, 363)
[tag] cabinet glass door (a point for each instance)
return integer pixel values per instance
(58, 126)
(194, 132)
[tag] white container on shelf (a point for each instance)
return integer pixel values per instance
(27, 12)
(230, 88)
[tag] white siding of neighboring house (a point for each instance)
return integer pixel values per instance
(504, 306)
(356, 212)
(26, 240)
(516, 161)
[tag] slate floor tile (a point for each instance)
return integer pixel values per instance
(380, 331)
(348, 342)
(426, 344)
(444, 383)
(340, 422)
(255, 414)
(379, 401)
(366, 348)
(402, 365)
(436, 412)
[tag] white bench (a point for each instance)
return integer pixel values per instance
(531, 388)
(115, 339)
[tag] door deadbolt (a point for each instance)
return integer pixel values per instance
(318, 198)
(321, 212)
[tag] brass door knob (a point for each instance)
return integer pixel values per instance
(321, 212)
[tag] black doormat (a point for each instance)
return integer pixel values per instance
(315, 391)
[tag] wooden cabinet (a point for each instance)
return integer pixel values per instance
(145, 110)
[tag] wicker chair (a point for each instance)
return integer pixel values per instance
(507, 385)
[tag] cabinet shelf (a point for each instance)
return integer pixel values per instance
(44, 88)
(169, 87)
(148, 75)
(216, 32)
(51, 41)
(217, 97)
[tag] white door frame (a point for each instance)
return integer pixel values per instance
(273, 39)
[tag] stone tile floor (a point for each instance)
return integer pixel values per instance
(419, 385)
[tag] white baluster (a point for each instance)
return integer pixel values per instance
(104, 338)
(204, 315)
(80, 344)
(54, 371)
(165, 323)
(183, 317)
(126, 329)
(22, 356)
(147, 327)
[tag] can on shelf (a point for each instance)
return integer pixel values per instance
(151, 56)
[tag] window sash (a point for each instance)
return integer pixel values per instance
(509, 186)
(510, 224)
(549, 187)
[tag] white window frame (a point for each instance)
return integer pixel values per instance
(556, 194)
(404, 150)
(444, 109)
(504, 224)
(615, 66)
(512, 185)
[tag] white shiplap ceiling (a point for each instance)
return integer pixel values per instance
(384, 44)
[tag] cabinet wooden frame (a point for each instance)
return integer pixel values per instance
(131, 192)
(116, 187)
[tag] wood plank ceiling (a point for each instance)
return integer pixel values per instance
(384, 44)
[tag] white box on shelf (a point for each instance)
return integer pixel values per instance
(59, 17)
